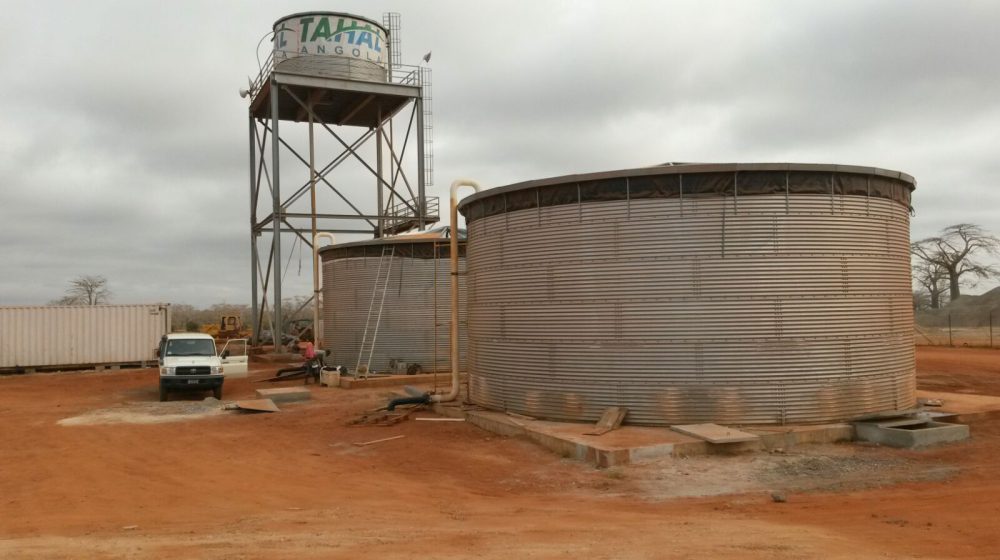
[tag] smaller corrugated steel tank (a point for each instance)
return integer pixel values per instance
(80, 335)
(415, 315)
(727, 293)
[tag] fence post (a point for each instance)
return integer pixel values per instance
(950, 341)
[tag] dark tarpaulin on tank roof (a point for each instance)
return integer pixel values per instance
(522, 200)
(655, 186)
(693, 185)
(558, 195)
(422, 250)
(474, 211)
(493, 206)
(709, 185)
(758, 183)
(808, 182)
(604, 190)
(887, 188)
(851, 185)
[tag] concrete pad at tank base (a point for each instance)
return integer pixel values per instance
(911, 433)
(630, 444)
(285, 394)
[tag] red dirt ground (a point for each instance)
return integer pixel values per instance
(291, 485)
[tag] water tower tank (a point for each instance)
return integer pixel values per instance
(727, 293)
(331, 44)
(393, 293)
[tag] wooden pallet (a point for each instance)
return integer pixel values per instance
(383, 417)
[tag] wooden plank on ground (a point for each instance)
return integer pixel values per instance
(256, 405)
(610, 420)
(364, 443)
(714, 433)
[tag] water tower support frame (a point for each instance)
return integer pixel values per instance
(327, 102)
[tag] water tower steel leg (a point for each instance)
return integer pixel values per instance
(421, 199)
(276, 327)
(312, 238)
(382, 210)
(254, 258)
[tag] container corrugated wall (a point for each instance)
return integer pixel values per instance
(52, 336)
(417, 309)
(765, 308)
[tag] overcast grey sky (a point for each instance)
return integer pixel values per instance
(123, 142)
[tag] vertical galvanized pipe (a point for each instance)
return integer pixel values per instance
(453, 238)
(317, 296)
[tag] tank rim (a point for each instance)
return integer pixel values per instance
(326, 13)
(387, 241)
(688, 169)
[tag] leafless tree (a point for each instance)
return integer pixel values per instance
(932, 280)
(86, 290)
(959, 251)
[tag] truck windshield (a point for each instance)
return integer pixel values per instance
(191, 347)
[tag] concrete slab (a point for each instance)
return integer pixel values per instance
(911, 433)
(285, 394)
(630, 444)
(714, 433)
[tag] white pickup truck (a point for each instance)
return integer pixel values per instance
(189, 362)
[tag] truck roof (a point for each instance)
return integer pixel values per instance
(189, 335)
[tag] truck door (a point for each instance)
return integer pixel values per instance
(235, 360)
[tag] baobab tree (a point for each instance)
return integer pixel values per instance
(959, 252)
(932, 280)
(86, 290)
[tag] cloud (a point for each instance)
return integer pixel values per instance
(125, 151)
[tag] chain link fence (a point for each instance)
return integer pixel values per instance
(943, 327)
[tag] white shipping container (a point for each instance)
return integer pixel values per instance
(80, 335)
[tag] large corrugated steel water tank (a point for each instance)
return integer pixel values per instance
(727, 293)
(331, 44)
(393, 293)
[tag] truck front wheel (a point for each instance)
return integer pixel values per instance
(217, 393)
(163, 393)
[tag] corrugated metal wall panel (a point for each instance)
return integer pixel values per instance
(50, 336)
(417, 299)
(757, 310)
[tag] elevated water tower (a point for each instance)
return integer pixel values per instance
(339, 75)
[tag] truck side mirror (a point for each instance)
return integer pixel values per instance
(156, 352)
(225, 354)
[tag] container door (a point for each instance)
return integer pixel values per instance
(236, 363)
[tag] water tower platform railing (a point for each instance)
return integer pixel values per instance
(405, 215)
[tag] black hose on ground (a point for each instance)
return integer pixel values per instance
(422, 399)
